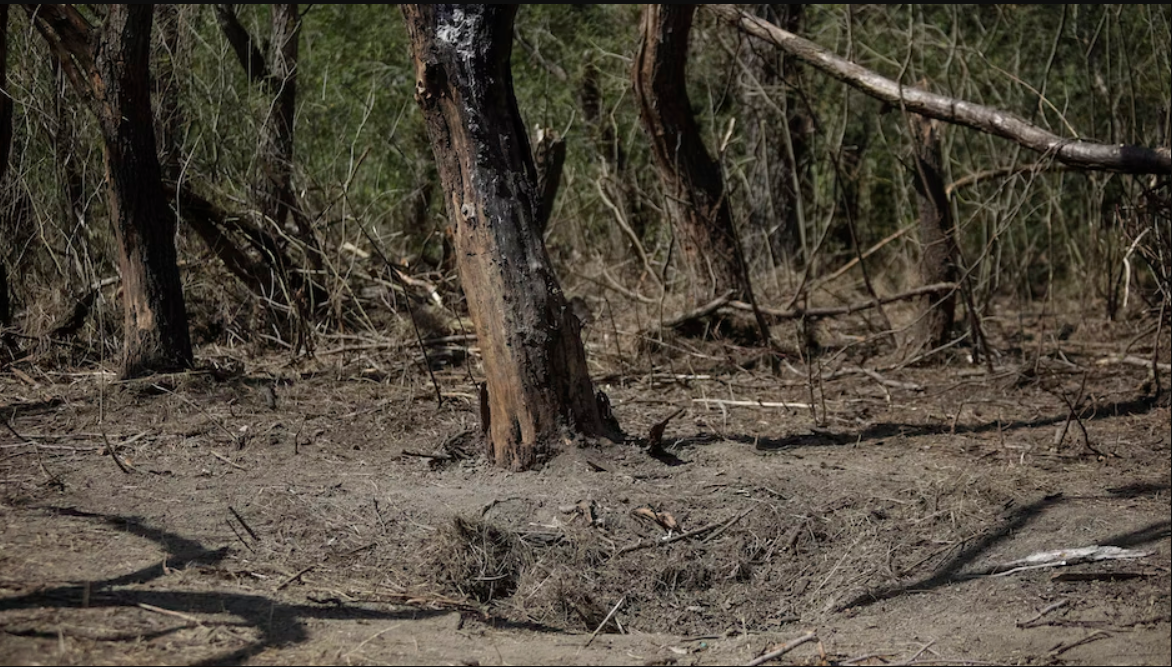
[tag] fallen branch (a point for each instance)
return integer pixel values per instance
(753, 404)
(1132, 360)
(895, 384)
(1049, 608)
(702, 312)
(998, 122)
(303, 572)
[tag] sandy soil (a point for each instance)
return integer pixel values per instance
(308, 530)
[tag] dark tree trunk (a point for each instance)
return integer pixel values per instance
(155, 322)
(939, 250)
(692, 181)
(538, 387)
(110, 68)
(277, 75)
(772, 175)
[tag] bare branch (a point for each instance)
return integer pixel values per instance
(1083, 154)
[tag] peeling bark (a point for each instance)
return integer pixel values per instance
(938, 255)
(538, 390)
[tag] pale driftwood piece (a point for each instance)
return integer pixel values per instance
(1132, 360)
(613, 611)
(998, 122)
(798, 313)
(1063, 557)
(783, 649)
(753, 404)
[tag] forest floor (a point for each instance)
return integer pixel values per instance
(263, 511)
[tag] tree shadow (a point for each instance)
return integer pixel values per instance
(279, 623)
(952, 570)
(885, 430)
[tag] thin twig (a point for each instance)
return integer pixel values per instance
(1049, 608)
(244, 523)
(167, 612)
(655, 542)
(303, 572)
(229, 461)
(114, 455)
(783, 649)
(606, 620)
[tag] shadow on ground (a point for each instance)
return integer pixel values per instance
(278, 623)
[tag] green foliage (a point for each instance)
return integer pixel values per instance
(1099, 72)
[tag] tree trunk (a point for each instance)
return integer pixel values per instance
(155, 318)
(692, 181)
(538, 388)
(110, 69)
(277, 76)
(938, 246)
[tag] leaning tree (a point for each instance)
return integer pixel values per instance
(537, 390)
(108, 65)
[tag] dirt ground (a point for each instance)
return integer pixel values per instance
(327, 511)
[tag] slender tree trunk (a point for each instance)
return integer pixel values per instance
(277, 198)
(939, 250)
(773, 174)
(109, 67)
(692, 180)
(277, 76)
(64, 147)
(538, 387)
(170, 120)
